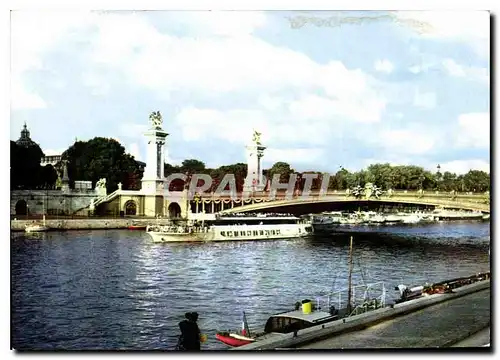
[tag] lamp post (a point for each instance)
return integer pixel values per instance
(438, 176)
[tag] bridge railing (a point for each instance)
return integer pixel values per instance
(282, 195)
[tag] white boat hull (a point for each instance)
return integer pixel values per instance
(236, 233)
(36, 228)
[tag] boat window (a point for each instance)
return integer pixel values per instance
(249, 233)
(278, 232)
(267, 232)
(242, 233)
(261, 232)
(285, 325)
(229, 233)
(255, 233)
(223, 233)
(300, 230)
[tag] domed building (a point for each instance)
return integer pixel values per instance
(25, 139)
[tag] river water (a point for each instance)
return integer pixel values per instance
(116, 290)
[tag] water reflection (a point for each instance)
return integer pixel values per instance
(116, 289)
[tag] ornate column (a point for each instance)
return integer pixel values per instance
(153, 181)
(254, 154)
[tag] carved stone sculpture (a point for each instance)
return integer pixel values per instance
(156, 119)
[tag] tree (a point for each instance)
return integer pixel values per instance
(283, 169)
(476, 181)
(193, 166)
(25, 169)
(449, 182)
(48, 176)
(102, 158)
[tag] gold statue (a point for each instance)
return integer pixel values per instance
(156, 120)
(256, 137)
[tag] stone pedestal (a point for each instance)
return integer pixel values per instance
(254, 180)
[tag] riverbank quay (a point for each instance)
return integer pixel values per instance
(84, 223)
(346, 329)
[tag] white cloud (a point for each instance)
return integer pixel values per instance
(98, 84)
(141, 53)
(384, 66)
(134, 150)
(293, 155)
(220, 22)
(34, 34)
(356, 109)
(132, 130)
(473, 130)
(414, 141)
(424, 100)
(472, 26)
(50, 152)
(415, 69)
(463, 166)
(469, 72)
(22, 98)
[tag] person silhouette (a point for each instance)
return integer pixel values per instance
(190, 333)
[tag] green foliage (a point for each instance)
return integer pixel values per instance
(25, 169)
(283, 169)
(103, 158)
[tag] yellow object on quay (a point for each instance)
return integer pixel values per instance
(307, 307)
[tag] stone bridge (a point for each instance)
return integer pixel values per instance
(316, 202)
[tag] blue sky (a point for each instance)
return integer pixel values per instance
(326, 89)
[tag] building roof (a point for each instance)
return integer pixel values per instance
(25, 139)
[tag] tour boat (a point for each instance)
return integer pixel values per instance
(234, 227)
(37, 227)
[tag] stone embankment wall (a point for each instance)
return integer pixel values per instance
(80, 224)
(52, 201)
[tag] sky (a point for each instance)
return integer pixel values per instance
(326, 89)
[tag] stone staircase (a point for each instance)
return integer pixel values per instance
(99, 201)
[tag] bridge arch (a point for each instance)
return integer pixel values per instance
(21, 207)
(174, 210)
(130, 207)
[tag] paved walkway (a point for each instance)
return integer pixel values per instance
(481, 338)
(440, 325)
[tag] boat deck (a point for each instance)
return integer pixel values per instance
(314, 316)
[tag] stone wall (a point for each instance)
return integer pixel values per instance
(80, 224)
(51, 201)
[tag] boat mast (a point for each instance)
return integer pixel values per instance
(349, 289)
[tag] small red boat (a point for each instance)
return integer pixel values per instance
(137, 227)
(232, 339)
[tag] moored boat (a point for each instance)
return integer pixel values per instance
(441, 287)
(324, 309)
(232, 339)
(137, 227)
(236, 339)
(37, 227)
(323, 224)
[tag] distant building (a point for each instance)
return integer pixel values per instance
(25, 139)
(50, 160)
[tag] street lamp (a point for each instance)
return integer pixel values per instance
(438, 176)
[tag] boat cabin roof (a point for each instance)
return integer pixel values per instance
(313, 317)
